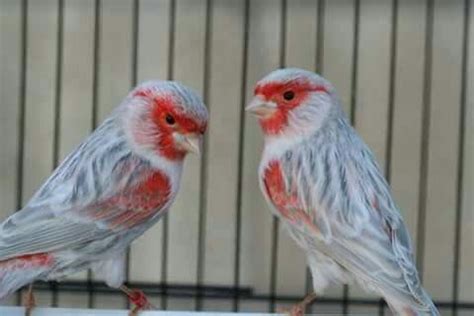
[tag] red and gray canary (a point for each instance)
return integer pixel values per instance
(114, 186)
(322, 181)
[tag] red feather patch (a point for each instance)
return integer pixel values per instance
(28, 261)
(139, 203)
(286, 199)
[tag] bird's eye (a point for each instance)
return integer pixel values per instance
(170, 119)
(288, 95)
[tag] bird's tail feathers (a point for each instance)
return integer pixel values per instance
(402, 307)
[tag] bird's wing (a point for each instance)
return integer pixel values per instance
(90, 196)
(342, 200)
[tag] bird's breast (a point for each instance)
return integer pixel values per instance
(284, 196)
(152, 193)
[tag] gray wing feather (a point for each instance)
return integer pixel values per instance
(48, 235)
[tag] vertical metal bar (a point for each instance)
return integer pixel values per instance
(275, 222)
(94, 116)
(135, 39)
(22, 102)
(355, 62)
(283, 27)
(320, 36)
(391, 90)
(58, 85)
(57, 111)
(425, 136)
(319, 58)
(170, 75)
(201, 251)
(171, 42)
(460, 166)
(164, 261)
(96, 63)
(391, 103)
(21, 110)
(240, 159)
(352, 114)
(274, 264)
(133, 82)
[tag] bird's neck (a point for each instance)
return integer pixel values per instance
(172, 168)
(329, 134)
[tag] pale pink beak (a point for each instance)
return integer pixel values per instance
(261, 108)
(189, 142)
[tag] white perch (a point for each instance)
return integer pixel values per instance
(20, 311)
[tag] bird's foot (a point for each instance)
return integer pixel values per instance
(137, 298)
(299, 308)
(295, 310)
(29, 301)
(134, 311)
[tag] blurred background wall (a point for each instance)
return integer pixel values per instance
(403, 68)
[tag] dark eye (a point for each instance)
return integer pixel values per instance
(288, 95)
(169, 119)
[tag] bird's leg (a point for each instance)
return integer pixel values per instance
(29, 300)
(138, 298)
(299, 308)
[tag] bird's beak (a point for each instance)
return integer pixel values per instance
(260, 107)
(190, 142)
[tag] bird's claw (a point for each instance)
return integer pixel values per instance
(137, 298)
(295, 310)
(299, 308)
